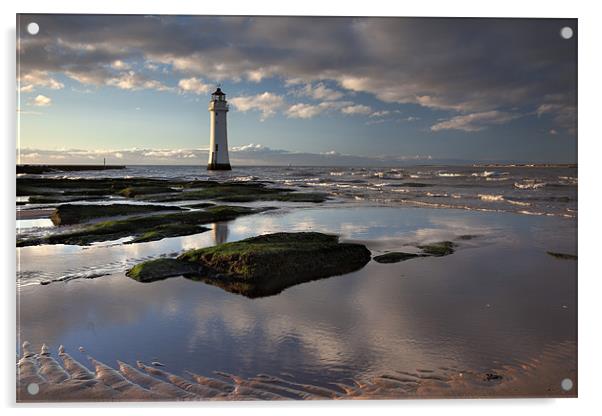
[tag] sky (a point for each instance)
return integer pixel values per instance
(302, 90)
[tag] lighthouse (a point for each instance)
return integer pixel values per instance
(218, 144)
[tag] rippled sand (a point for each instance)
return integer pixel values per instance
(63, 378)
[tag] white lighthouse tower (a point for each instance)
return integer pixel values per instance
(218, 146)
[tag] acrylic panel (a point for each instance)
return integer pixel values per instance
(295, 208)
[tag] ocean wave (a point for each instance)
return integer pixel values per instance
(572, 180)
(489, 173)
(245, 178)
(450, 175)
(491, 198)
(533, 213)
(520, 203)
(529, 184)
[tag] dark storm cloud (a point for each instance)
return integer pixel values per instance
(466, 67)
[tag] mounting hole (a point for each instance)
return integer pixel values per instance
(566, 384)
(33, 388)
(33, 28)
(566, 32)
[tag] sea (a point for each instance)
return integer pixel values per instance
(525, 189)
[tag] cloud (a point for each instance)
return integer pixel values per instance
(42, 101)
(306, 111)
(267, 103)
(254, 148)
(356, 109)
(475, 121)
(441, 64)
(37, 79)
(193, 85)
(381, 113)
(318, 92)
(302, 110)
(131, 80)
(562, 112)
(120, 65)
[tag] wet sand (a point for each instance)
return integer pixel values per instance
(44, 378)
(34, 214)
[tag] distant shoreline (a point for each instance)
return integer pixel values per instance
(63, 168)
(46, 168)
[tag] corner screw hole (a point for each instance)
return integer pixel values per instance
(33, 28)
(566, 32)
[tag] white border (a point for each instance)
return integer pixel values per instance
(590, 207)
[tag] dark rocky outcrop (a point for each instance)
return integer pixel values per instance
(51, 190)
(263, 265)
(396, 257)
(158, 269)
(562, 256)
(145, 228)
(439, 249)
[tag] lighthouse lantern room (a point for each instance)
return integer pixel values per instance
(218, 145)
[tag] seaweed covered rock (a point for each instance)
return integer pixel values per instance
(267, 264)
(396, 257)
(157, 269)
(59, 190)
(77, 213)
(145, 228)
(131, 192)
(439, 249)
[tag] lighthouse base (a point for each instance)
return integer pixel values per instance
(219, 166)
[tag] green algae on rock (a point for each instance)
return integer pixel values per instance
(77, 213)
(162, 268)
(439, 249)
(237, 192)
(268, 264)
(56, 190)
(145, 228)
(396, 257)
(134, 191)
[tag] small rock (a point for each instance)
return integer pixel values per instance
(492, 377)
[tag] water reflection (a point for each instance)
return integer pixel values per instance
(220, 232)
(499, 299)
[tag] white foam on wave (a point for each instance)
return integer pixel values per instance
(450, 175)
(531, 212)
(529, 184)
(492, 198)
(520, 203)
